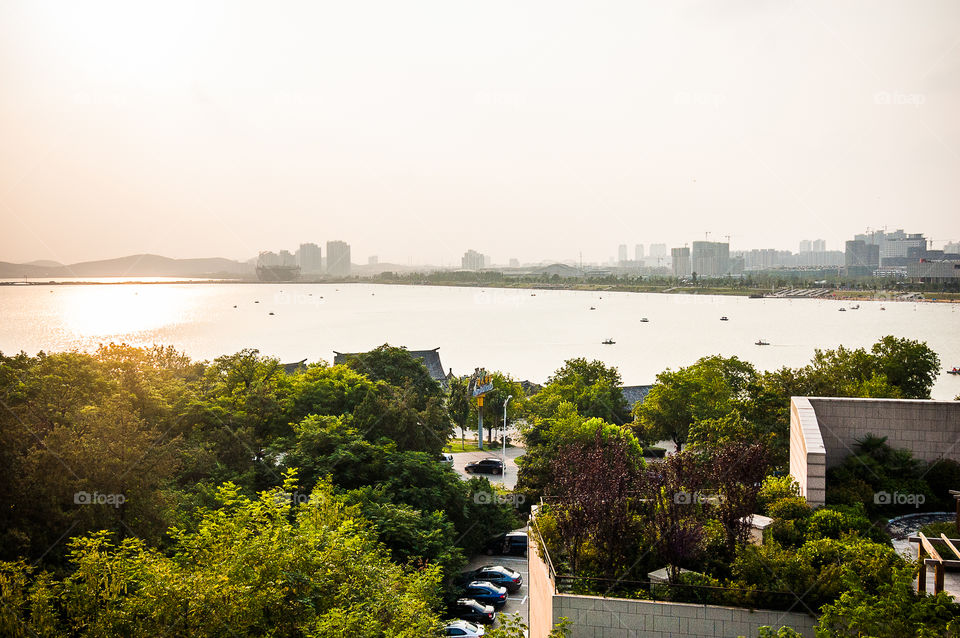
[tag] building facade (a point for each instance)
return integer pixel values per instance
(472, 260)
(710, 258)
(861, 258)
(310, 258)
(680, 257)
(338, 258)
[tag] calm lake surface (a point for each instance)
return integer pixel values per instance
(524, 332)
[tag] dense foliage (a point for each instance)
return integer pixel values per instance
(129, 473)
(689, 513)
(718, 399)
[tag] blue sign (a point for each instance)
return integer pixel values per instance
(482, 384)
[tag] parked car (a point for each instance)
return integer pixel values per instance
(486, 593)
(446, 458)
(489, 465)
(463, 628)
(511, 543)
(473, 611)
(496, 574)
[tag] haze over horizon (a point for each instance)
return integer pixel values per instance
(416, 131)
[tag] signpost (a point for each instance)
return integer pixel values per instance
(482, 383)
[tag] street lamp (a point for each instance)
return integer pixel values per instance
(504, 454)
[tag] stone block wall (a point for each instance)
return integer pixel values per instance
(824, 431)
(808, 455)
(595, 617)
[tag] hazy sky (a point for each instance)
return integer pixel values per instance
(416, 130)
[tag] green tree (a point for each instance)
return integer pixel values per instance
(459, 404)
(321, 389)
(908, 365)
(591, 386)
(708, 391)
(893, 610)
(397, 367)
(253, 567)
(493, 401)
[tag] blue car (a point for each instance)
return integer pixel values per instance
(496, 574)
(486, 593)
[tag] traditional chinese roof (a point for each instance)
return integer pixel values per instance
(429, 358)
(634, 394)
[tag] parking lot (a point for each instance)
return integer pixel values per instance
(516, 602)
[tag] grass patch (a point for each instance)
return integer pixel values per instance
(470, 445)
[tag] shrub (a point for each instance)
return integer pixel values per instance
(776, 488)
(852, 492)
(943, 476)
(790, 509)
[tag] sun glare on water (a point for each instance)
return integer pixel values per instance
(106, 311)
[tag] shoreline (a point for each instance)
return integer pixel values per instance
(715, 291)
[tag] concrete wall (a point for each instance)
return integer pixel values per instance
(807, 453)
(540, 590)
(595, 617)
(824, 431)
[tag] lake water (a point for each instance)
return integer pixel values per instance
(526, 333)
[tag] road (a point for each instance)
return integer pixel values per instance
(509, 478)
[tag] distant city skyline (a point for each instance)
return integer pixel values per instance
(538, 131)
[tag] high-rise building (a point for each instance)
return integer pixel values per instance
(861, 258)
(896, 247)
(658, 250)
(805, 246)
(373, 260)
(819, 246)
(710, 258)
(287, 259)
(681, 261)
(472, 260)
(310, 257)
(951, 248)
(338, 258)
(514, 262)
(638, 252)
(268, 258)
(622, 253)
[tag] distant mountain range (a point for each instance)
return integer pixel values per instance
(131, 266)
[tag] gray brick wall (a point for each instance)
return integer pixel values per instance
(595, 617)
(824, 431)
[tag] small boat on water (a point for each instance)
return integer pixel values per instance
(761, 342)
(592, 308)
(724, 318)
(882, 308)
(843, 310)
(644, 320)
(608, 342)
(857, 307)
(955, 370)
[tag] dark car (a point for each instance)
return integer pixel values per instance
(470, 609)
(486, 466)
(486, 593)
(496, 574)
(511, 543)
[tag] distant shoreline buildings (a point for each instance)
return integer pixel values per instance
(307, 261)
(874, 253)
